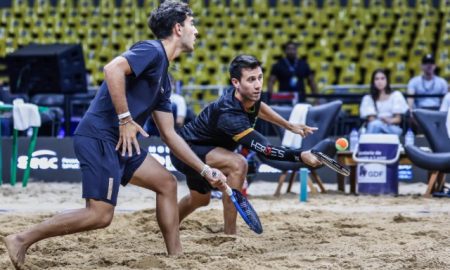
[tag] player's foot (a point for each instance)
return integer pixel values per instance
(16, 250)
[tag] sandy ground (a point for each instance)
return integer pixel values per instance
(330, 231)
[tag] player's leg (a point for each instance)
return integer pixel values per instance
(234, 166)
(152, 175)
(100, 188)
(192, 201)
(200, 189)
(96, 215)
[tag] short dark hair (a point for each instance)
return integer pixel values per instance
(240, 62)
(289, 43)
(163, 19)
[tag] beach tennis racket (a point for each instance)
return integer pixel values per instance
(331, 163)
(245, 209)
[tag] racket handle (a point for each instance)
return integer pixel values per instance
(228, 190)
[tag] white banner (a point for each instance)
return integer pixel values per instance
(371, 173)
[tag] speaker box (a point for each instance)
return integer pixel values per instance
(51, 68)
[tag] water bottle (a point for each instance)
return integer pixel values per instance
(354, 138)
(409, 137)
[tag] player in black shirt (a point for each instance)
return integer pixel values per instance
(225, 124)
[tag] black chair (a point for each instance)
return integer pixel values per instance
(51, 119)
(322, 116)
(433, 124)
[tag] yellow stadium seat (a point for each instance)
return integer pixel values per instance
(308, 6)
(331, 7)
(314, 27)
(394, 55)
(348, 46)
(341, 60)
(350, 74)
(400, 6)
(400, 73)
(369, 59)
(299, 18)
(445, 6)
(445, 72)
(442, 56)
(423, 6)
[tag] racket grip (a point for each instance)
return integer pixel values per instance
(228, 190)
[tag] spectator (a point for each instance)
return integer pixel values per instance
(445, 103)
(426, 84)
(179, 102)
(291, 72)
(383, 108)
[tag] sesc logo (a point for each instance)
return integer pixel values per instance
(41, 159)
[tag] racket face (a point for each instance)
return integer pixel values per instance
(247, 212)
(331, 163)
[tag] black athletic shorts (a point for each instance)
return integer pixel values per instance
(194, 180)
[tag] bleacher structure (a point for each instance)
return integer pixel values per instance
(343, 44)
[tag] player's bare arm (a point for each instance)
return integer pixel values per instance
(268, 114)
(165, 123)
(115, 72)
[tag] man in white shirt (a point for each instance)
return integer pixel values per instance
(445, 103)
(180, 102)
(427, 84)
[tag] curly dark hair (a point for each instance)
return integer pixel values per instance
(163, 19)
(240, 62)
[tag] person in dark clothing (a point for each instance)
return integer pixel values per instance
(224, 124)
(291, 72)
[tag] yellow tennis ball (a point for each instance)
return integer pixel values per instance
(341, 144)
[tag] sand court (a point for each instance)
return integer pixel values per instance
(330, 231)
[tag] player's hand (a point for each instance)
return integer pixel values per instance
(216, 178)
(128, 139)
(310, 159)
(302, 130)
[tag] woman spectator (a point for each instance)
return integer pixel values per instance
(383, 108)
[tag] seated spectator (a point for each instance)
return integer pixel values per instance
(382, 109)
(179, 102)
(179, 110)
(445, 103)
(427, 84)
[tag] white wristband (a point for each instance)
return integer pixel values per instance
(124, 115)
(206, 169)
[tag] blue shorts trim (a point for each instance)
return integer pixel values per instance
(103, 169)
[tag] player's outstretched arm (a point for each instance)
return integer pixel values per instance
(165, 123)
(115, 72)
(268, 114)
(258, 143)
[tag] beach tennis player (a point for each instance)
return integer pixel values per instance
(105, 142)
(224, 124)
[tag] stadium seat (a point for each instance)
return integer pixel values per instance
(399, 73)
(433, 124)
(322, 116)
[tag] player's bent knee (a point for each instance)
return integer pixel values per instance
(101, 218)
(169, 185)
(239, 164)
(105, 221)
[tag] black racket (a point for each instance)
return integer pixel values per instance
(331, 163)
